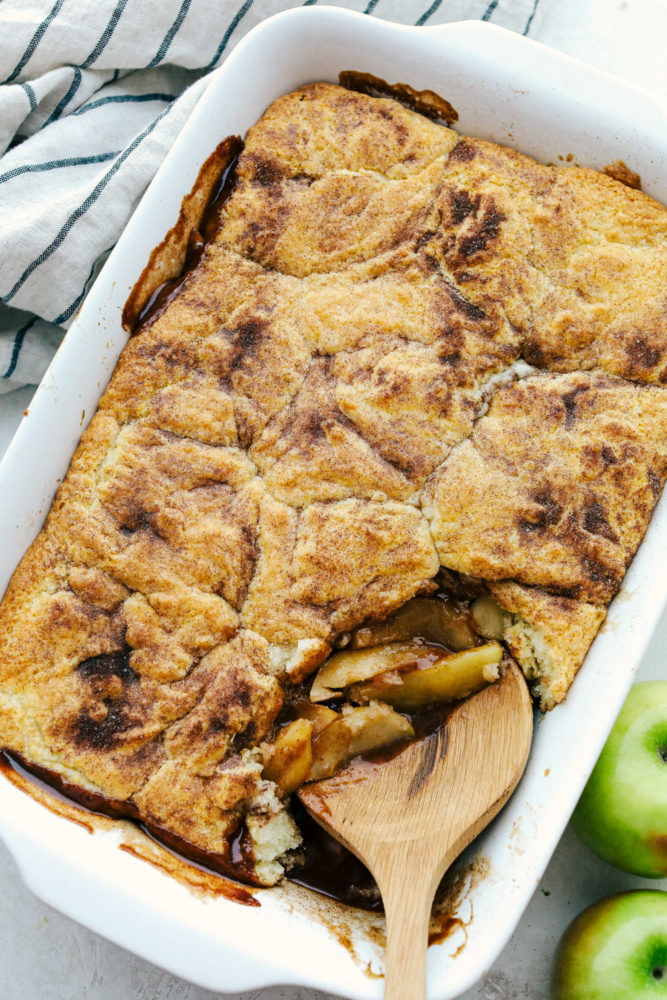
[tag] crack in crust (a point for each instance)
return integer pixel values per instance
(331, 408)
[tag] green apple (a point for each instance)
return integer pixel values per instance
(615, 950)
(622, 813)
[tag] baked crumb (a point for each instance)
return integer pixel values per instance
(622, 173)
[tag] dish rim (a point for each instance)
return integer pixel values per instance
(38, 839)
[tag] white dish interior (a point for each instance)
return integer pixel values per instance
(505, 88)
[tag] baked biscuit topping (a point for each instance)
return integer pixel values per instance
(333, 407)
(556, 484)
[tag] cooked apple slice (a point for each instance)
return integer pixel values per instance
(449, 679)
(292, 757)
(431, 618)
(352, 665)
(319, 715)
(359, 730)
(490, 618)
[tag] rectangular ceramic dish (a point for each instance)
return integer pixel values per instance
(505, 88)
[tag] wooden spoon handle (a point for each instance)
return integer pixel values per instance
(407, 888)
(407, 941)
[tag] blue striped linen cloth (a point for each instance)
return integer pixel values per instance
(94, 93)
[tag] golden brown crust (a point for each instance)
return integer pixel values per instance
(321, 128)
(577, 261)
(325, 570)
(312, 452)
(548, 636)
(339, 219)
(283, 448)
(556, 484)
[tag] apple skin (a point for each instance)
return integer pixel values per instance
(622, 813)
(615, 950)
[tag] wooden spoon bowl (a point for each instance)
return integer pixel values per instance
(408, 818)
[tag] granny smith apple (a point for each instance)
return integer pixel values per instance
(615, 950)
(622, 813)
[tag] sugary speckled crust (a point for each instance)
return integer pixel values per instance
(575, 260)
(281, 451)
(322, 128)
(302, 227)
(324, 570)
(556, 484)
(607, 301)
(410, 358)
(548, 636)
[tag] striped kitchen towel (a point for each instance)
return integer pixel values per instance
(94, 93)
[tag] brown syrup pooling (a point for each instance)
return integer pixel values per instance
(222, 192)
(621, 172)
(58, 788)
(329, 868)
(168, 290)
(425, 102)
(60, 795)
(164, 293)
(197, 879)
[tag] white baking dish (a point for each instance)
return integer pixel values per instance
(505, 88)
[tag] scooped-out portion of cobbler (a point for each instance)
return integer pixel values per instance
(403, 416)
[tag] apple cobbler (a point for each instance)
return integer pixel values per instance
(403, 415)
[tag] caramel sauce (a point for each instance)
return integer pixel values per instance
(329, 868)
(222, 192)
(215, 868)
(197, 879)
(89, 810)
(52, 787)
(448, 927)
(241, 853)
(197, 240)
(168, 290)
(424, 102)
(43, 793)
(622, 173)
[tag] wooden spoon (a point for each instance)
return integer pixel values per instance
(408, 818)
